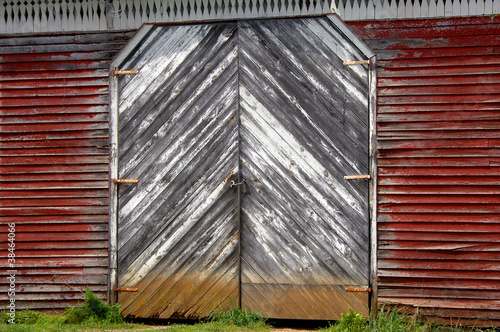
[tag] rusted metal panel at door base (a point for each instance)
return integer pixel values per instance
(54, 165)
(178, 231)
(438, 130)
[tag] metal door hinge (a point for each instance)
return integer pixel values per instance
(125, 181)
(358, 177)
(359, 62)
(358, 289)
(125, 289)
(126, 72)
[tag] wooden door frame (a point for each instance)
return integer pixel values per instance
(113, 160)
(113, 163)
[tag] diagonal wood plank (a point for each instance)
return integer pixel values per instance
(178, 228)
(267, 102)
(304, 125)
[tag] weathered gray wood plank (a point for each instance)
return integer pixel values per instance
(178, 230)
(334, 124)
(317, 134)
(276, 187)
(185, 167)
(303, 224)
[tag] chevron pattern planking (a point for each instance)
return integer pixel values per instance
(240, 134)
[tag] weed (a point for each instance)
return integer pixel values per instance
(94, 310)
(94, 314)
(239, 317)
(395, 321)
(392, 321)
(352, 322)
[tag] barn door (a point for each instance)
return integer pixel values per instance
(240, 135)
(304, 125)
(178, 228)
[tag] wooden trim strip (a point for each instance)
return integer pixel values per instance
(113, 191)
(373, 185)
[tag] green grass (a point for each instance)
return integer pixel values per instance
(94, 314)
(211, 327)
(221, 321)
(239, 317)
(393, 321)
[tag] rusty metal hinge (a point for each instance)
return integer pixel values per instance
(125, 289)
(358, 62)
(358, 177)
(358, 289)
(126, 72)
(125, 181)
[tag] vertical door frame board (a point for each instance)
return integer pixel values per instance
(372, 150)
(113, 187)
(113, 158)
(372, 82)
(240, 168)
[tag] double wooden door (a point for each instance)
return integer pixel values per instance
(240, 134)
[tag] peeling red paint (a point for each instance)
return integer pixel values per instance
(438, 184)
(54, 166)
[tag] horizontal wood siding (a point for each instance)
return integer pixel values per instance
(438, 157)
(54, 165)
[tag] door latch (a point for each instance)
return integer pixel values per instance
(243, 184)
(234, 184)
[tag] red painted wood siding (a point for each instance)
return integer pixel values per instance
(438, 145)
(54, 165)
